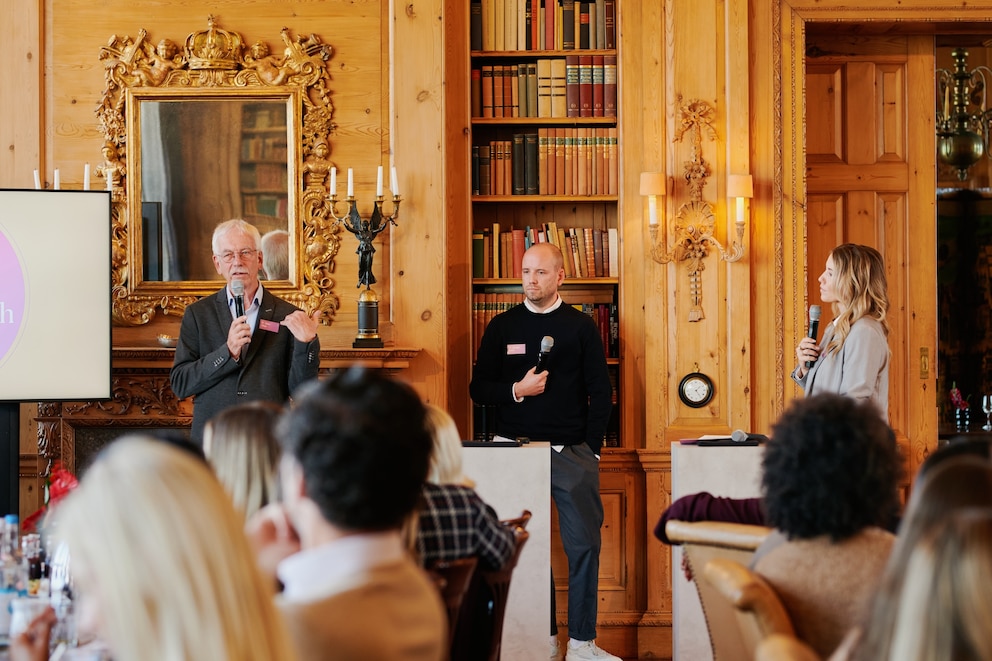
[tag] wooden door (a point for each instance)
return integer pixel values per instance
(870, 167)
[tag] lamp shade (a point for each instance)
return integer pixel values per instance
(738, 185)
(652, 183)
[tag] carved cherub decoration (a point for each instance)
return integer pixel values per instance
(113, 168)
(316, 166)
(159, 61)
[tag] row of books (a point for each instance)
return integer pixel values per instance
(264, 176)
(503, 25)
(571, 86)
(486, 305)
(588, 252)
(550, 161)
(267, 116)
(256, 147)
(265, 205)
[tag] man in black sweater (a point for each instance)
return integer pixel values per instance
(567, 404)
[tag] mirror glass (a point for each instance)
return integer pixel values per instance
(204, 128)
(193, 177)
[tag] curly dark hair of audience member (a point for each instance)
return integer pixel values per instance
(831, 468)
(361, 439)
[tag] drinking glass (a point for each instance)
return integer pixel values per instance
(987, 408)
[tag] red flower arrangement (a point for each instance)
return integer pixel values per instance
(957, 400)
(59, 483)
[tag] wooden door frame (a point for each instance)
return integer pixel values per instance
(789, 20)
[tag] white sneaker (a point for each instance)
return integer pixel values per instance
(555, 651)
(589, 651)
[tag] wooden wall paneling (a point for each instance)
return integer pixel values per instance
(22, 106)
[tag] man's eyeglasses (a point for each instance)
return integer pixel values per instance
(245, 255)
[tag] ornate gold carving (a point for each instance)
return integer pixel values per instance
(214, 61)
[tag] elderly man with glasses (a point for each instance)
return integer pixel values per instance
(242, 343)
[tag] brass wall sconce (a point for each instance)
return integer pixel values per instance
(694, 221)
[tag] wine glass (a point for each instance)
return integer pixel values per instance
(987, 408)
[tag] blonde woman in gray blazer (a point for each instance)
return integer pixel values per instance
(853, 357)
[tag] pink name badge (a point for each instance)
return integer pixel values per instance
(268, 325)
(516, 349)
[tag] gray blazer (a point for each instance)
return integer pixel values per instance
(859, 370)
(274, 365)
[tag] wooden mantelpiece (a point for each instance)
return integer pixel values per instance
(141, 398)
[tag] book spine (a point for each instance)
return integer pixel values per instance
(475, 170)
(542, 161)
(572, 82)
(514, 79)
(476, 92)
(487, 91)
(568, 25)
(531, 166)
(585, 86)
(590, 252)
(488, 24)
(559, 162)
(478, 256)
(597, 248)
(497, 90)
(532, 89)
(580, 161)
(499, 28)
(475, 25)
(509, 86)
(610, 23)
(610, 86)
(600, 24)
(518, 164)
(523, 109)
(559, 103)
(550, 9)
(598, 80)
(583, 35)
(509, 24)
(485, 170)
(544, 87)
(517, 249)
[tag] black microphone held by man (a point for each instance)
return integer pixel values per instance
(238, 289)
(547, 343)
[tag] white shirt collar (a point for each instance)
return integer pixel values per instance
(554, 306)
(337, 565)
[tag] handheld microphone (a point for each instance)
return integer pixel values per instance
(739, 436)
(547, 342)
(238, 289)
(814, 327)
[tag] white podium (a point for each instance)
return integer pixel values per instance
(511, 480)
(731, 472)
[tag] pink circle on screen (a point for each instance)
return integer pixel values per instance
(11, 296)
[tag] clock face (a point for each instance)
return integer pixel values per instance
(696, 390)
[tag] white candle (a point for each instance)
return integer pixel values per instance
(653, 209)
(378, 182)
(334, 182)
(58, 181)
(110, 179)
(86, 177)
(37, 180)
(351, 183)
(394, 184)
(740, 210)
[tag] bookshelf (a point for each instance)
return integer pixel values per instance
(263, 168)
(545, 161)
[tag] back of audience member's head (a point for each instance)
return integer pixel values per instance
(275, 255)
(446, 455)
(831, 468)
(979, 445)
(361, 442)
(241, 446)
(955, 484)
(160, 562)
(941, 602)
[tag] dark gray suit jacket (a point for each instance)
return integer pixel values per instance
(273, 366)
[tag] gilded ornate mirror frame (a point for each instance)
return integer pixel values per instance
(214, 64)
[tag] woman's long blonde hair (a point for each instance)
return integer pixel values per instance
(240, 444)
(860, 284)
(154, 537)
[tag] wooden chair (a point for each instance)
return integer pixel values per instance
(782, 647)
(759, 611)
(702, 542)
(479, 633)
(453, 578)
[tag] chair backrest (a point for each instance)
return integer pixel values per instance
(453, 578)
(782, 647)
(701, 542)
(479, 632)
(760, 612)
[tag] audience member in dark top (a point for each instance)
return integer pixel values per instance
(453, 522)
(830, 478)
(953, 481)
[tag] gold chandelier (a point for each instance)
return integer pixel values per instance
(962, 122)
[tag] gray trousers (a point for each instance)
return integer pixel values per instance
(575, 488)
